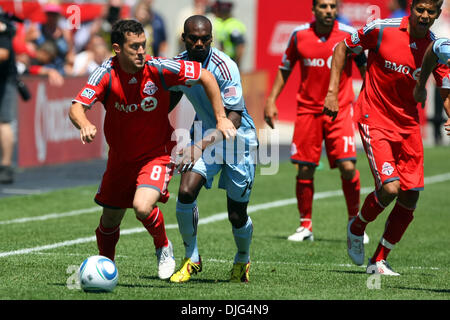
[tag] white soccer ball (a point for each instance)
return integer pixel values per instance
(98, 274)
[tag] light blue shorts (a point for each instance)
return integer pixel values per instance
(236, 178)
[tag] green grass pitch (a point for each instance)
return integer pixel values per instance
(44, 238)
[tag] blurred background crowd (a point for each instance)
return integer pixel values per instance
(58, 44)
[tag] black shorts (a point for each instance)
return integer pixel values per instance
(8, 100)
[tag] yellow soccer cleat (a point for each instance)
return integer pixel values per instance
(188, 267)
(240, 272)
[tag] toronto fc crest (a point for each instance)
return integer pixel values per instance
(150, 88)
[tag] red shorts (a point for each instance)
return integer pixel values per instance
(121, 180)
(394, 156)
(312, 128)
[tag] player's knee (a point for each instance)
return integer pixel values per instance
(237, 220)
(186, 194)
(142, 210)
(391, 190)
(110, 221)
(347, 169)
(305, 172)
(408, 198)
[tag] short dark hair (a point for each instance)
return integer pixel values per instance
(315, 3)
(122, 27)
(197, 19)
(437, 2)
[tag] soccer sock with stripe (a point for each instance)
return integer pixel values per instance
(369, 212)
(396, 225)
(305, 193)
(243, 238)
(107, 239)
(154, 223)
(187, 217)
(351, 189)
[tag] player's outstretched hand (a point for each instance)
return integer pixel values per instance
(420, 95)
(227, 128)
(331, 106)
(87, 133)
(270, 113)
(187, 157)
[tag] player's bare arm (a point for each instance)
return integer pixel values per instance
(429, 62)
(77, 115)
(212, 90)
(270, 109)
(331, 104)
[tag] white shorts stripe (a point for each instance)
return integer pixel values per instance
(367, 142)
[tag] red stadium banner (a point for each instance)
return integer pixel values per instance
(275, 22)
(45, 133)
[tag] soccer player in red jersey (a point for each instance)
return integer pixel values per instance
(312, 45)
(388, 121)
(134, 89)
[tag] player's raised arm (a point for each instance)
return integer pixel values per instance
(428, 64)
(77, 115)
(211, 87)
(331, 104)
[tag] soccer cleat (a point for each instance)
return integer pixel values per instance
(366, 238)
(166, 261)
(6, 174)
(355, 246)
(240, 272)
(380, 267)
(301, 234)
(187, 269)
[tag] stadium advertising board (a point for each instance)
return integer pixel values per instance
(45, 132)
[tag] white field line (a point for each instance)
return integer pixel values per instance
(210, 219)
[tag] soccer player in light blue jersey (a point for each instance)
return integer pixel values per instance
(438, 52)
(234, 159)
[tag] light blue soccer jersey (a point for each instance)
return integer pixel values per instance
(441, 48)
(236, 159)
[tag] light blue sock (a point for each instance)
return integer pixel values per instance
(187, 217)
(243, 238)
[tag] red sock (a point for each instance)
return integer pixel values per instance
(107, 239)
(369, 212)
(351, 189)
(305, 194)
(154, 223)
(396, 225)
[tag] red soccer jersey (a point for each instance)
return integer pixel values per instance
(386, 99)
(136, 122)
(314, 53)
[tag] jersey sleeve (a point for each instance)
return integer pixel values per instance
(441, 47)
(181, 72)
(229, 81)
(364, 38)
(94, 90)
(290, 56)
